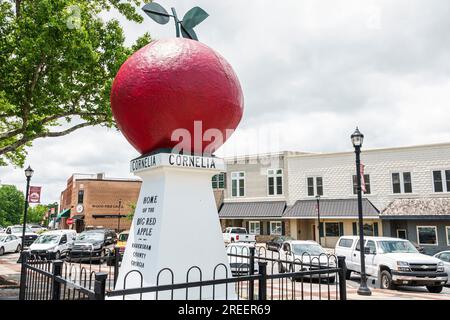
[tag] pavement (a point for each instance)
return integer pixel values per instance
(10, 276)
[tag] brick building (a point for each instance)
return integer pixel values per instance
(93, 201)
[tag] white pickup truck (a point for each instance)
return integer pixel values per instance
(235, 234)
(393, 261)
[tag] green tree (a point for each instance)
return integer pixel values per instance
(11, 205)
(57, 63)
(36, 213)
(130, 214)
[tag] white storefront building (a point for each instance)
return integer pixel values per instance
(413, 175)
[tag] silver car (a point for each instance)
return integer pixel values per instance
(444, 256)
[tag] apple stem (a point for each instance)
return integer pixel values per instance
(177, 27)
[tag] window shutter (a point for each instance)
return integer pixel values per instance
(355, 229)
(247, 226)
(261, 227)
(268, 227)
(375, 229)
(283, 230)
(341, 228)
(321, 229)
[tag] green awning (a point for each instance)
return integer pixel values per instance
(64, 214)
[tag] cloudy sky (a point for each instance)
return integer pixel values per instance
(311, 70)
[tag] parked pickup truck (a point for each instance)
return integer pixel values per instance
(233, 234)
(393, 261)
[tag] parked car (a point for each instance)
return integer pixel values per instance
(310, 254)
(236, 234)
(120, 246)
(444, 256)
(276, 242)
(240, 266)
(394, 261)
(37, 228)
(94, 243)
(53, 244)
(9, 243)
(16, 230)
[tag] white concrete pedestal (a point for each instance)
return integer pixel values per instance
(175, 226)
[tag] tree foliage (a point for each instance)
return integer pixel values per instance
(57, 63)
(36, 213)
(11, 205)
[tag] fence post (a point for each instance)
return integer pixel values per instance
(100, 286)
(262, 282)
(56, 287)
(23, 274)
(116, 264)
(342, 281)
(251, 285)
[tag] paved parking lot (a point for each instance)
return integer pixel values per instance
(10, 271)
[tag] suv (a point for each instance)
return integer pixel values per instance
(393, 261)
(94, 243)
(16, 230)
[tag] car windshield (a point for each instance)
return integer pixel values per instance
(90, 236)
(240, 231)
(307, 248)
(392, 246)
(2, 238)
(47, 238)
(19, 229)
(123, 237)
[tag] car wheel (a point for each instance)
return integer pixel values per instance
(331, 280)
(19, 247)
(291, 269)
(281, 268)
(102, 257)
(386, 280)
(2, 251)
(57, 255)
(434, 289)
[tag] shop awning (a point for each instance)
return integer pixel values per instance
(64, 214)
(330, 208)
(260, 209)
(417, 209)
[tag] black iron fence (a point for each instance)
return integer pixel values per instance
(252, 274)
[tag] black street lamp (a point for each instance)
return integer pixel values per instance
(318, 216)
(118, 218)
(357, 140)
(28, 174)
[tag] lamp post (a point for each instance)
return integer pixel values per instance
(357, 141)
(118, 218)
(28, 174)
(318, 216)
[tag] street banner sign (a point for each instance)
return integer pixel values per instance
(363, 181)
(34, 195)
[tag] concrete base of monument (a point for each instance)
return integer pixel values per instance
(175, 236)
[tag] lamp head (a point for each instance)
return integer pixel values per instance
(357, 138)
(29, 172)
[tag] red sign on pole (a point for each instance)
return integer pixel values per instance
(34, 195)
(69, 221)
(363, 181)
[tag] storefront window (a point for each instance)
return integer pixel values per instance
(447, 229)
(427, 235)
(254, 227)
(276, 228)
(332, 229)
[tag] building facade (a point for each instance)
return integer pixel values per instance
(94, 201)
(390, 175)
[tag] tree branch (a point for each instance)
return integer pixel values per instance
(25, 139)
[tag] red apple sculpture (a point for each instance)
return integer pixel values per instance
(170, 84)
